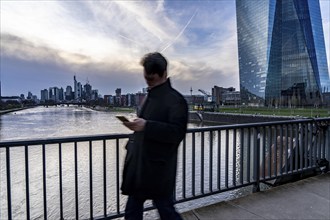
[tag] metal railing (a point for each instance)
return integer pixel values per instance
(80, 177)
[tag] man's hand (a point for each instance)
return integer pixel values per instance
(136, 125)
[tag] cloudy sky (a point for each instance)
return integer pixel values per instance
(46, 43)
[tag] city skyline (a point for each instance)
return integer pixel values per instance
(47, 43)
(73, 87)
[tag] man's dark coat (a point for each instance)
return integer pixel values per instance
(151, 159)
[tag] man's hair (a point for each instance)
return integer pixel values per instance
(154, 63)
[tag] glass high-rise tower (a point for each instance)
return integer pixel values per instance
(282, 56)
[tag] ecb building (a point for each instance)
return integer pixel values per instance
(282, 56)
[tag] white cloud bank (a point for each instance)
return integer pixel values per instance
(104, 41)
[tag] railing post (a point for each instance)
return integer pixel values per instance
(8, 183)
(256, 185)
(327, 142)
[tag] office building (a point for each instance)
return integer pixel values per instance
(108, 99)
(44, 95)
(61, 94)
(78, 92)
(231, 98)
(217, 94)
(68, 93)
(118, 97)
(139, 97)
(77, 89)
(94, 94)
(54, 94)
(282, 56)
(87, 93)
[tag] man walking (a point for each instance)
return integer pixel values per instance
(151, 160)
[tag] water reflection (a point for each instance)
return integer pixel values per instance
(42, 122)
(65, 121)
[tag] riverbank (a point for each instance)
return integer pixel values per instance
(232, 118)
(194, 116)
(13, 110)
(112, 109)
(212, 117)
(283, 111)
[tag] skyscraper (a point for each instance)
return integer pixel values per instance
(282, 57)
(44, 95)
(68, 93)
(77, 89)
(75, 86)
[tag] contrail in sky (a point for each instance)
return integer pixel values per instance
(171, 43)
(181, 32)
(122, 36)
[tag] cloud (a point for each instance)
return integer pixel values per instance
(15, 46)
(104, 40)
(99, 30)
(201, 76)
(62, 64)
(108, 38)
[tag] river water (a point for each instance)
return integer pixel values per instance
(63, 121)
(41, 122)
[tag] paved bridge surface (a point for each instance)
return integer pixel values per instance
(304, 199)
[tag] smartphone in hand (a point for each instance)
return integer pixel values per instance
(122, 118)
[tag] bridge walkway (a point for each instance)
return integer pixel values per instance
(305, 199)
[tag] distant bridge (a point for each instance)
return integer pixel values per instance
(63, 103)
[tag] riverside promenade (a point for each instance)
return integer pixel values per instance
(305, 199)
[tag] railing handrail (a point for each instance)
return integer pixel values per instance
(82, 138)
(56, 140)
(258, 124)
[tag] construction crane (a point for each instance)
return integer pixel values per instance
(207, 95)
